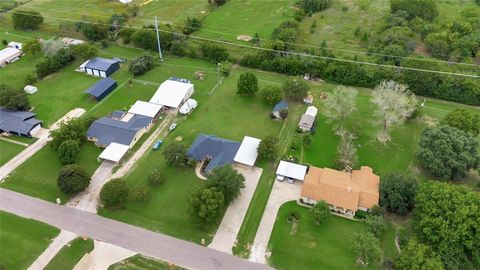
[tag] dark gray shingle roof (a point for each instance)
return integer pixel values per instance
(280, 106)
(20, 122)
(221, 151)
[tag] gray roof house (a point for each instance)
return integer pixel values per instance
(220, 151)
(306, 122)
(125, 130)
(21, 123)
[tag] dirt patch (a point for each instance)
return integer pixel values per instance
(294, 228)
(244, 38)
(431, 122)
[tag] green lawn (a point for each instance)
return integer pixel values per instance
(37, 176)
(70, 254)
(8, 150)
(170, 11)
(22, 240)
(327, 246)
(139, 262)
(246, 17)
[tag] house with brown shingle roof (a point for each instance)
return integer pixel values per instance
(344, 192)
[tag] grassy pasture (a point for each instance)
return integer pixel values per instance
(22, 240)
(8, 150)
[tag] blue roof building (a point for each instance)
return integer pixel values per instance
(281, 105)
(217, 150)
(101, 67)
(126, 130)
(102, 88)
(21, 123)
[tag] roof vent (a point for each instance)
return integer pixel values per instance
(349, 189)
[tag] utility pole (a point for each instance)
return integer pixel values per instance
(158, 40)
(218, 71)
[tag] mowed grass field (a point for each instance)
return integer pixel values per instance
(22, 240)
(246, 17)
(8, 150)
(307, 246)
(139, 262)
(70, 254)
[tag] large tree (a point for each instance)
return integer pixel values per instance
(295, 88)
(74, 129)
(340, 104)
(448, 153)
(175, 154)
(397, 192)
(346, 151)
(114, 194)
(395, 103)
(417, 256)
(247, 84)
(271, 94)
(267, 149)
(32, 46)
(425, 9)
(84, 51)
(463, 119)
(367, 248)
(227, 180)
(68, 151)
(447, 218)
(26, 19)
(375, 224)
(73, 179)
(13, 99)
(206, 204)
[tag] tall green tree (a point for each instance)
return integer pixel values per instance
(417, 256)
(375, 224)
(271, 94)
(84, 51)
(26, 19)
(114, 194)
(397, 192)
(175, 154)
(295, 88)
(247, 84)
(205, 205)
(464, 120)
(74, 129)
(367, 248)
(68, 151)
(73, 179)
(448, 153)
(227, 180)
(425, 9)
(340, 104)
(13, 99)
(320, 212)
(447, 218)
(267, 149)
(32, 46)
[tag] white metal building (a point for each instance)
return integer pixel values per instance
(172, 93)
(247, 153)
(188, 106)
(114, 152)
(9, 55)
(145, 109)
(291, 170)
(30, 89)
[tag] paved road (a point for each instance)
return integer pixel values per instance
(43, 138)
(163, 247)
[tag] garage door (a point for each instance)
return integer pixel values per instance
(102, 74)
(96, 73)
(89, 71)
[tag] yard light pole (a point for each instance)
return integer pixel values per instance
(158, 40)
(218, 70)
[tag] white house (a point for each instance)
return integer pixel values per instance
(172, 93)
(9, 55)
(291, 171)
(188, 106)
(30, 89)
(146, 109)
(247, 153)
(308, 119)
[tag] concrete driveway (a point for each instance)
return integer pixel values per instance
(282, 192)
(226, 234)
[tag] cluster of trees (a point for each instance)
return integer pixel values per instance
(213, 53)
(192, 24)
(216, 2)
(141, 64)
(366, 243)
(397, 192)
(54, 62)
(267, 149)
(68, 138)
(13, 99)
(285, 35)
(32, 47)
(26, 19)
(313, 6)
(221, 188)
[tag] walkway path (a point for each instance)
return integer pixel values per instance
(282, 192)
(160, 246)
(227, 232)
(57, 244)
(13, 141)
(43, 138)
(102, 256)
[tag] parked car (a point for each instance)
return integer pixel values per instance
(157, 144)
(172, 127)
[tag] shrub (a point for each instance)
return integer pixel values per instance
(72, 179)
(320, 212)
(140, 193)
(397, 192)
(68, 151)
(375, 225)
(313, 6)
(140, 65)
(247, 84)
(226, 180)
(156, 178)
(175, 155)
(192, 24)
(296, 88)
(267, 149)
(114, 194)
(214, 53)
(206, 204)
(271, 94)
(464, 120)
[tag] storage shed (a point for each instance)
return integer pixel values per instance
(30, 89)
(9, 55)
(101, 88)
(101, 67)
(291, 170)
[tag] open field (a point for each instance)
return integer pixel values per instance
(22, 240)
(327, 246)
(37, 176)
(70, 254)
(8, 150)
(139, 262)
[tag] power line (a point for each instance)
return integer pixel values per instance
(298, 44)
(279, 51)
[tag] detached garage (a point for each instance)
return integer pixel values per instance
(101, 88)
(101, 67)
(9, 55)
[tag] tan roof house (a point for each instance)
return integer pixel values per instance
(343, 192)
